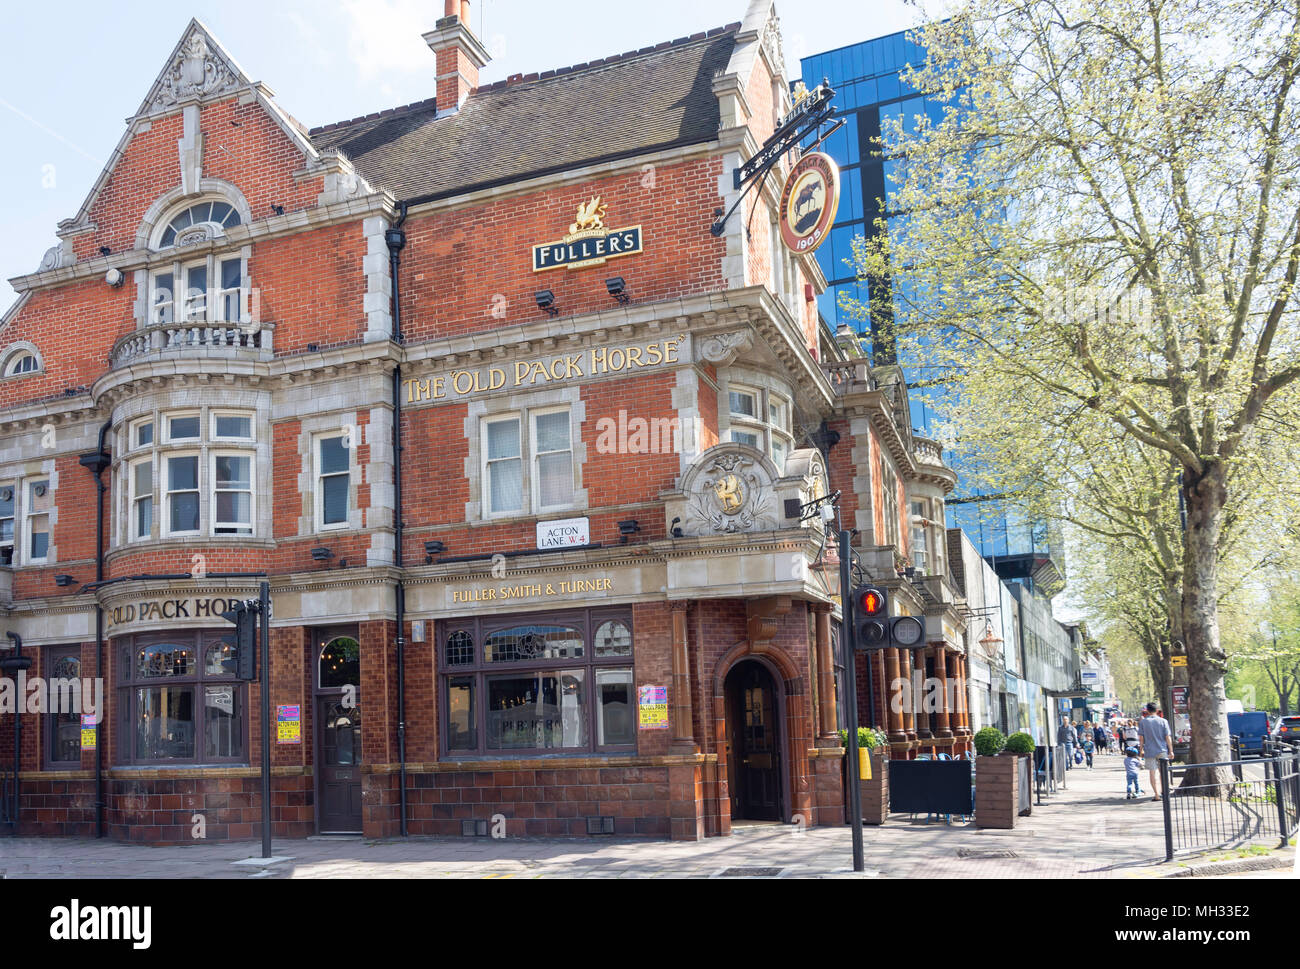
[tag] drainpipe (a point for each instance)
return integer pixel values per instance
(395, 237)
(95, 462)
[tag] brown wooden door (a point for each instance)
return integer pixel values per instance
(754, 732)
(339, 765)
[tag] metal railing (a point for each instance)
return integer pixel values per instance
(1260, 802)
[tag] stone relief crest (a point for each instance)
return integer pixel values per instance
(195, 73)
(731, 491)
(590, 217)
(721, 349)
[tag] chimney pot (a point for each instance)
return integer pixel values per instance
(451, 8)
(464, 12)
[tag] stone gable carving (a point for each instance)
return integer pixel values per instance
(722, 349)
(197, 71)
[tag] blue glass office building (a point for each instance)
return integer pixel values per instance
(869, 92)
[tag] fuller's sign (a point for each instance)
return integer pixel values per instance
(809, 201)
(588, 242)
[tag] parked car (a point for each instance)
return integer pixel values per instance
(1287, 730)
(1252, 728)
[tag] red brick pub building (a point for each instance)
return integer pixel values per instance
(517, 442)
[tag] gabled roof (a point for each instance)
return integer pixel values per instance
(630, 104)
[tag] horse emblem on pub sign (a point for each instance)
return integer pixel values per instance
(808, 202)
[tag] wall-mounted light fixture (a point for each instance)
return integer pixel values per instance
(617, 288)
(64, 580)
(431, 549)
(546, 302)
(673, 528)
(321, 554)
(114, 277)
(627, 529)
(277, 209)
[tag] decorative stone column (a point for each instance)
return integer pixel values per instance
(919, 716)
(941, 674)
(897, 733)
(683, 731)
(825, 674)
(963, 697)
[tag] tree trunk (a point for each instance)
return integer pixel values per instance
(1204, 496)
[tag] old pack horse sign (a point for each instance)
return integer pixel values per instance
(808, 202)
(588, 242)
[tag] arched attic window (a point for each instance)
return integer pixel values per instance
(198, 223)
(20, 359)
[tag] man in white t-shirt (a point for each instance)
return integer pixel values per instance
(1157, 744)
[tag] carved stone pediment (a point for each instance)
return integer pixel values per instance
(730, 488)
(200, 70)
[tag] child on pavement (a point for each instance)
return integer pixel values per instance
(1088, 747)
(1132, 764)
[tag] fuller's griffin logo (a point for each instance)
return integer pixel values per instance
(730, 492)
(588, 242)
(808, 202)
(591, 215)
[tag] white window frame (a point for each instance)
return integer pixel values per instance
(246, 415)
(318, 490)
(534, 457)
(212, 491)
(214, 294)
(169, 416)
(12, 543)
(11, 365)
(484, 464)
(134, 498)
(166, 492)
(133, 434)
(28, 514)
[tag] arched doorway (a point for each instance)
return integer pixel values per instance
(754, 742)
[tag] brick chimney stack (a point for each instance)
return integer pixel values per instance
(459, 56)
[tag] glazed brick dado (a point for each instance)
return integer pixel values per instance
(427, 648)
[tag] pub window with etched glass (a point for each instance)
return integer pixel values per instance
(63, 725)
(179, 701)
(546, 684)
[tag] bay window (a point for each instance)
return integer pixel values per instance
(196, 481)
(761, 420)
(552, 683)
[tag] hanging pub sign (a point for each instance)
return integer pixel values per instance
(588, 242)
(808, 202)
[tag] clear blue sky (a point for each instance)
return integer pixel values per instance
(71, 72)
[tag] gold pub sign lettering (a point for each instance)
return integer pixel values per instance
(529, 590)
(152, 610)
(594, 362)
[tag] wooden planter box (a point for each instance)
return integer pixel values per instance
(875, 792)
(997, 791)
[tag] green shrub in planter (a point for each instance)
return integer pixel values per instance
(869, 738)
(989, 742)
(1020, 743)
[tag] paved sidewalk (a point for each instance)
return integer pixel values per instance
(1086, 831)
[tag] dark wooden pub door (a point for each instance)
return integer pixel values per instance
(339, 765)
(755, 743)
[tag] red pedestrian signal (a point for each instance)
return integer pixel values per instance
(872, 611)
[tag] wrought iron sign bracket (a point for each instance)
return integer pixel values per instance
(808, 115)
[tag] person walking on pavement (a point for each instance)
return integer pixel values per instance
(1088, 747)
(1100, 738)
(1157, 744)
(1065, 734)
(1132, 784)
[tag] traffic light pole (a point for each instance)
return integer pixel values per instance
(849, 644)
(264, 610)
